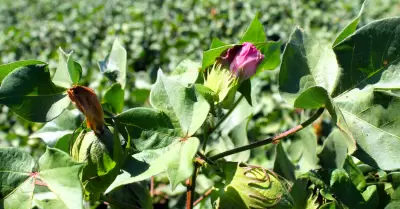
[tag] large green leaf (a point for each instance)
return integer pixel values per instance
(148, 128)
(185, 107)
(31, 94)
(63, 125)
(370, 56)
(305, 64)
(68, 72)
(114, 64)
(372, 117)
(17, 185)
(369, 60)
(176, 160)
(61, 174)
(6, 69)
(19, 173)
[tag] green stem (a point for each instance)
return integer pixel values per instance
(226, 115)
(274, 139)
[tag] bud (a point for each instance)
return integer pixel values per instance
(86, 101)
(220, 81)
(97, 152)
(243, 60)
(250, 187)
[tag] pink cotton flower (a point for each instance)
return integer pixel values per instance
(243, 60)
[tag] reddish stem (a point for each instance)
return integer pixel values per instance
(206, 194)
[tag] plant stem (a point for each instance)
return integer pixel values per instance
(205, 137)
(208, 192)
(205, 158)
(226, 115)
(152, 186)
(190, 188)
(274, 139)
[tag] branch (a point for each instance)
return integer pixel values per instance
(274, 139)
(205, 158)
(208, 192)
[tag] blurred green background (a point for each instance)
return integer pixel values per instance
(160, 34)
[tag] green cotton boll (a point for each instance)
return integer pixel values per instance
(250, 187)
(100, 169)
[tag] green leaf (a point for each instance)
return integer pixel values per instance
(283, 166)
(373, 120)
(334, 150)
(61, 174)
(245, 90)
(236, 137)
(331, 205)
(312, 98)
(302, 195)
(63, 125)
(29, 92)
(215, 43)
(176, 160)
(303, 150)
(371, 197)
(134, 195)
(306, 64)
(355, 174)
(370, 56)
(345, 190)
(393, 205)
(148, 128)
(185, 107)
(114, 98)
(16, 183)
(19, 173)
(212, 54)
(114, 64)
(255, 32)
(186, 72)
(6, 69)
(48, 203)
(68, 72)
(272, 55)
(350, 28)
